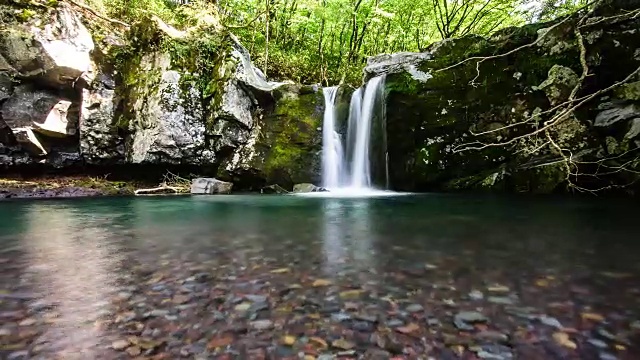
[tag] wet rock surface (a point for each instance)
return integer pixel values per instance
(116, 285)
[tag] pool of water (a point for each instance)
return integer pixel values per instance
(80, 275)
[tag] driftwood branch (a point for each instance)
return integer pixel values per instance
(155, 190)
(171, 182)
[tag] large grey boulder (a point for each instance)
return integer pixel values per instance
(210, 186)
(27, 106)
(57, 53)
(99, 139)
(168, 124)
(472, 122)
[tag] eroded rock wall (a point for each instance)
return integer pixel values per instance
(459, 124)
(73, 93)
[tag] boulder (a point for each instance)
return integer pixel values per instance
(450, 117)
(307, 188)
(166, 123)
(57, 52)
(160, 96)
(210, 186)
(6, 86)
(285, 145)
(100, 141)
(29, 105)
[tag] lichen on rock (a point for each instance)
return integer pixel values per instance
(454, 131)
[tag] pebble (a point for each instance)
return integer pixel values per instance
(607, 356)
(243, 307)
(123, 295)
(449, 302)
(343, 344)
(476, 295)
(462, 320)
(256, 298)
(18, 355)
(489, 356)
(550, 321)
(395, 323)
(502, 300)
(368, 318)
(120, 345)
(262, 324)
(5, 332)
(340, 317)
(157, 313)
(493, 336)
(598, 343)
(414, 308)
(363, 326)
(606, 334)
(498, 288)
(433, 322)
(471, 317)
(27, 322)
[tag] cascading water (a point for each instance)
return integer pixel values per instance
(351, 169)
(332, 149)
(361, 166)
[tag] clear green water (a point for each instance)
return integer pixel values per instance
(79, 253)
(489, 231)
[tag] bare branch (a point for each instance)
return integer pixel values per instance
(97, 14)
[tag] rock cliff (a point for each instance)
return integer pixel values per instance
(515, 111)
(74, 92)
(530, 109)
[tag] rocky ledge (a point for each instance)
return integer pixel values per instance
(541, 108)
(74, 93)
(468, 113)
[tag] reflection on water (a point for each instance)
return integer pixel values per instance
(347, 234)
(73, 266)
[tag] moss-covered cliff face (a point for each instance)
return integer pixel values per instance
(151, 95)
(464, 125)
(286, 144)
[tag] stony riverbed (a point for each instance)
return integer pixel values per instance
(158, 279)
(257, 310)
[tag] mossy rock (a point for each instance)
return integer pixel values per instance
(432, 131)
(291, 139)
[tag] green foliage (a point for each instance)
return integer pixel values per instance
(328, 41)
(292, 135)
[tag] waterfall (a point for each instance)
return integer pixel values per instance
(361, 166)
(352, 169)
(332, 153)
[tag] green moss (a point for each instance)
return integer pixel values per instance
(25, 15)
(629, 91)
(22, 11)
(205, 64)
(291, 132)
